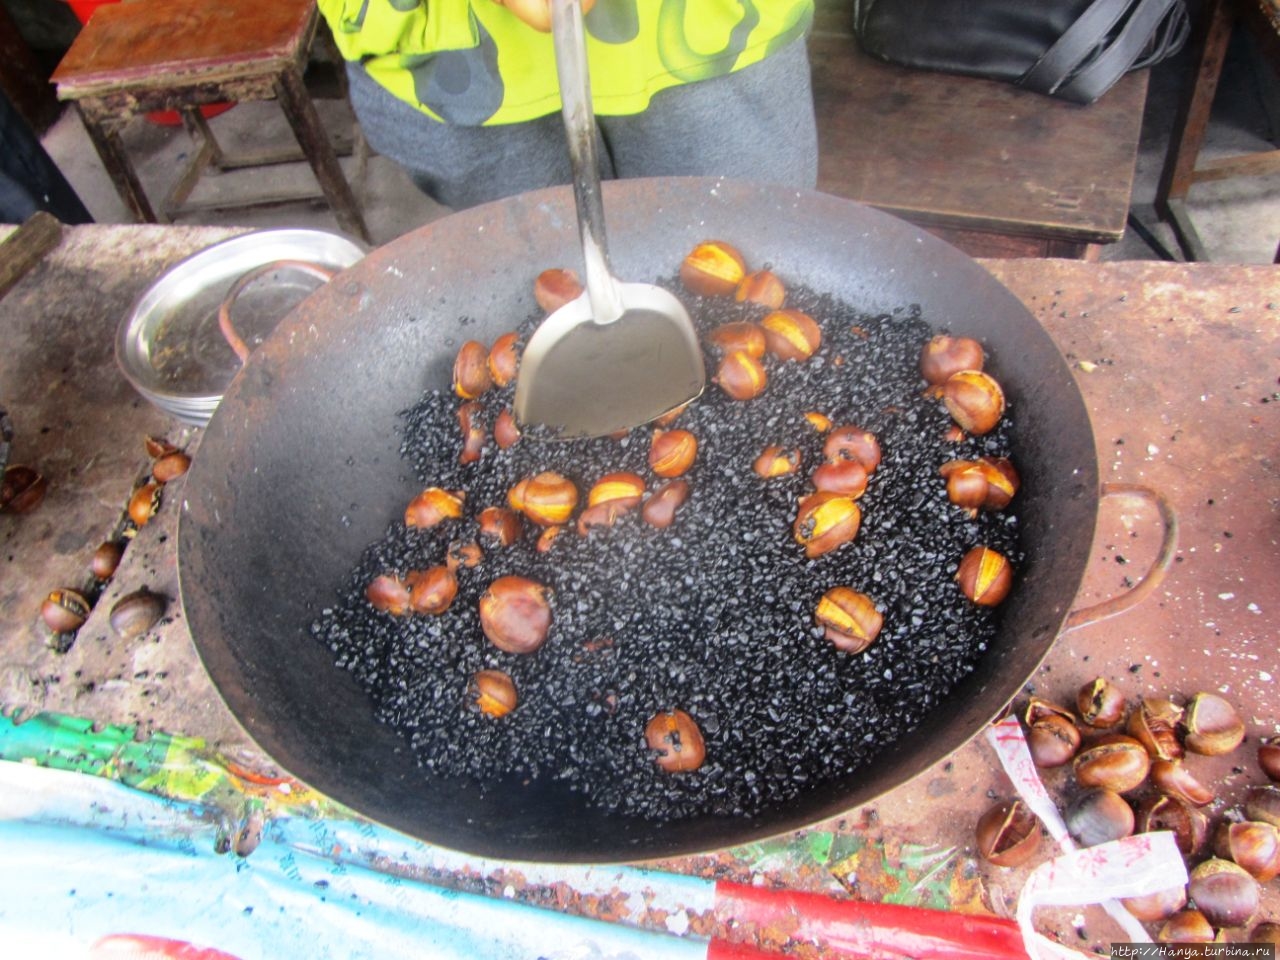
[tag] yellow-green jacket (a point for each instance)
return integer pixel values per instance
(473, 62)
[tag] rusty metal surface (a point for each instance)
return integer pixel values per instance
(1177, 364)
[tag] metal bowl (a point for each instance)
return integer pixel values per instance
(170, 346)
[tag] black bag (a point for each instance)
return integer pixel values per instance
(1072, 49)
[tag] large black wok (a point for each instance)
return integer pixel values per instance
(299, 471)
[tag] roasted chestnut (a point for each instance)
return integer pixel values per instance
(985, 576)
(819, 421)
(660, 509)
(1160, 905)
(713, 268)
(547, 538)
(851, 442)
(1099, 816)
(515, 614)
(824, 522)
(791, 334)
(492, 692)
(170, 466)
(845, 477)
(1224, 892)
(1008, 834)
(1190, 827)
(432, 506)
(466, 555)
(974, 400)
(1266, 932)
(64, 610)
(547, 499)
(622, 488)
(989, 483)
(1100, 703)
(1263, 803)
(471, 370)
(672, 452)
(1269, 758)
(500, 525)
(505, 430)
(1212, 725)
(946, 355)
(503, 360)
(676, 741)
(144, 503)
(389, 594)
(157, 447)
(137, 612)
(554, 288)
(1052, 738)
(776, 461)
(472, 432)
(106, 559)
(849, 619)
(1114, 761)
(741, 376)
(1251, 844)
(1153, 723)
(761, 287)
(22, 489)
(603, 515)
(431, 591)
(1172, 778)
(739, 335)
(1186, 926)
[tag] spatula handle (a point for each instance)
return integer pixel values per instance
(569, 36)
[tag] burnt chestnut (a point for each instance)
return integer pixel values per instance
(1250, 844)
(64, 610)
(946, 355)
(849, 619)
(1115, 762)
(492, 692)
(660, 509)
(137, 612)
(1212, 726)
(1099, 816)
(515, 614)
(676, 741)
(974, 400)
(713, 268)
(1100, 703)
(1224, 892)
(431, 591)
(1007, 834)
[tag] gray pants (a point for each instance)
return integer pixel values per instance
(756, 124)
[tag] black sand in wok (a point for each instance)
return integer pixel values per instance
(713, 615)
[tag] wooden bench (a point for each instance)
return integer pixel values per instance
(133, 58)
(997, 171)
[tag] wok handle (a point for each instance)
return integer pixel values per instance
(1149, 581)
(229, 332)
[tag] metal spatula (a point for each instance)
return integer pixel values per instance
(621, 354)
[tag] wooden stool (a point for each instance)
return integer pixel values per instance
(994, 170)
(1181, 171)
(139, 57)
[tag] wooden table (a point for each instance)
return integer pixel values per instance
(995, 170)
(1177, 364)
(184, 54)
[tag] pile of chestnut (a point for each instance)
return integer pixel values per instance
(1132, 773)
